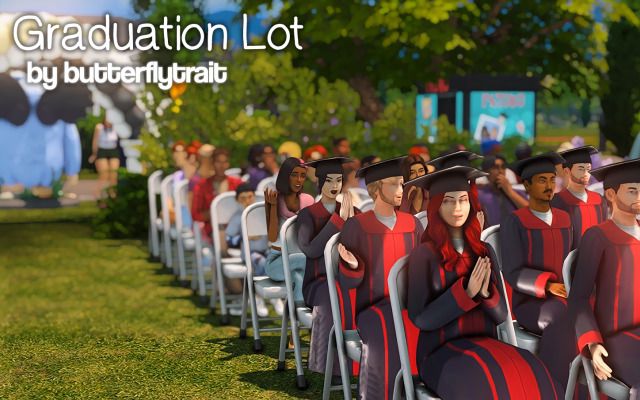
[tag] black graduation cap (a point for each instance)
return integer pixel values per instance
(541, 164)
(331, 165)
(452, 179)
(381, 170)
(578, 155)
(613, 175)
(326, 166)
(462, 158)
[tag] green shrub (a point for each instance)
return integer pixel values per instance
(126, 215)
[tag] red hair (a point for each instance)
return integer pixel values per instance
(437, 232)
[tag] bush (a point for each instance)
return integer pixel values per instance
(126, 215)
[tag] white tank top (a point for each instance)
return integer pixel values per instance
(108, 139)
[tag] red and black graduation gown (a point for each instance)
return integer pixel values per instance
(583, 215)
(458, 354)
(609, 262)
(315, 227)
(376, 248)
(532, 254)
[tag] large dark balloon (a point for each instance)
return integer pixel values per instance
(135, 119)
(14, 104)
(66, 102)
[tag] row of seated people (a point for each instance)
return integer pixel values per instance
(537, 239)
(453, 297)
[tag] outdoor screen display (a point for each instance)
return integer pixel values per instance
(495, 116)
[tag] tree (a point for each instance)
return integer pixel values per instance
(620, 86)
(403, 43)
(265, 100)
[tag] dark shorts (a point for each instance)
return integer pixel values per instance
(108, 153)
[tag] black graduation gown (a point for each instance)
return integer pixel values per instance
(609, 262)
(458, 343)
(315, 227)
(376, 248)
(532, 254)
(583, 214)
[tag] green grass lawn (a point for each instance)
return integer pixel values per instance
(87, 318)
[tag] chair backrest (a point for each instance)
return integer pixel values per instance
(366, 205)
(252, 223)
(153, 189)
(262, 185)
(289, 241)
(397, 281)
(331, 257)
(221, 210)
(233, 172)
(597, 187)
(422, 217)
(363, 194)
(491, 237)
(166, 192)
(180, 199)
(568, 267)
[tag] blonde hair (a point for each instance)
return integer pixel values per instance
(373, 188)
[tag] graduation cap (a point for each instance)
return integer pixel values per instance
(326, 166)
(332, 165)
(381, 170)
(541, 164)
(613, 175)
(461, 158)
(452, 179)
(578, 155)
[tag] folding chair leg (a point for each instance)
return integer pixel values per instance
(224, 312)
(202, 285)
(301, 381)
(243, 318)
(591, 378)
(344, 370)
(282, 354)
(257, 341)
(328, 368)
(182, 268)
(574, 371)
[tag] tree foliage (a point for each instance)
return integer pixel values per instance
(620, 86)
(405, 42)
(265, 100)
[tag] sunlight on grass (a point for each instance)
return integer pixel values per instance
(87, 318)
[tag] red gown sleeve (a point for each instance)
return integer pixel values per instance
(430, 310)
(349, 237)
(590, 255)
(522, 277)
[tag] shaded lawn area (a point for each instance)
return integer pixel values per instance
(87, 318)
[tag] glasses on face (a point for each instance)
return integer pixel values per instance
(416, 173)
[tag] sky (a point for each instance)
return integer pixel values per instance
(119, 8)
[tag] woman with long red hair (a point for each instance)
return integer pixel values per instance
(455, 299)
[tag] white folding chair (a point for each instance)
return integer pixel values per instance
(597, 187)
(363, 194)
(155, 223)
(221, 210)
(254, 224)
(366, 205)
(184, 236)
(413, 387)
(262, 185)
(166, 191)
(581, 369)
(347, 342)
(203, 261)
(299, 314)
(422, 217)
(233, 172)
(509, 331)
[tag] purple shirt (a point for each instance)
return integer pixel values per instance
(496, 204)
